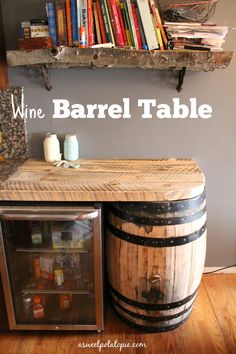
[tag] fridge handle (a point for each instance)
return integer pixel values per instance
(47, 216)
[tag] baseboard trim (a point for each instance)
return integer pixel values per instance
(224, 271)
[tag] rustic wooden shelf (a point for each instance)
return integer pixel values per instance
(64, 57)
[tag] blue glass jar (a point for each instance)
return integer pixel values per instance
(71, 147)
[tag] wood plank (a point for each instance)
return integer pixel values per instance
(104, 180)
(202, 333)
(223, 303)
(65, 57)
(3, 62)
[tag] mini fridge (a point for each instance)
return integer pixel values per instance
(51, 266)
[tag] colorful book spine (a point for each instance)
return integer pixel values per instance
(136, 26)
(61, 22)
(129, 24)
(132, 23)
(69, 23)
(101, 22)
(84, 19)
(107, 24)
(78, 17)
(117, 26)
(52, 27)
(25, 30)
(159, 37)
(149, 30)
(122, 25)
(144, 42)
(111, 22)
(97, 27)
(35, 43)
(104, 15)
(127, 31)
(157, 17)
(90, 22)
(74, 21)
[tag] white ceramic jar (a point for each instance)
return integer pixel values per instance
(51, 147)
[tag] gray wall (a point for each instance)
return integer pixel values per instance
(212, 143)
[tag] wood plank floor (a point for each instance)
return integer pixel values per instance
(211, 329)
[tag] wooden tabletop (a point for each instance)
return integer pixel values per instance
(104, 180)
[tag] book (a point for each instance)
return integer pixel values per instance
(196, 35)
(111, 21)
(74, 22)
(25, 30)
(149, 30)
(142, 35)
(122, 25)
(106, 26)
(61, 22)
(38, 31)
(127, 32)
(101, 22)
(78, 17)
(84, 20)
(159, 38)
(97, 27)
(50, 10)
(35, 43)
(124, 6)
(69, 23)
(131, 17)
(136, 27)
(107, 22)
(117, 26)
(158, 20)
(90, 22)
(38, 22)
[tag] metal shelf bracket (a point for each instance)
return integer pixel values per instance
(181, 76)
(46, 77)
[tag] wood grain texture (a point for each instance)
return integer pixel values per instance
(105, 180)
(64, 57)
(209, 330)
(131, 265)
(3, 62)
(224, 306)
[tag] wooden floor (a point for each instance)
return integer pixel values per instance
(211, 329)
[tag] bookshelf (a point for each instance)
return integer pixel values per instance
(65, 57)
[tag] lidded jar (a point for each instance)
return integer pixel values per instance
(71, 147)
(51, 147)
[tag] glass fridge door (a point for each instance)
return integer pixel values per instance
(51, 267)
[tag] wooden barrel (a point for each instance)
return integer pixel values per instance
(155, 258)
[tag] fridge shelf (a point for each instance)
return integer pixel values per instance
(52, 250)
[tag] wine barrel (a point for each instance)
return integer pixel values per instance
(155, 256)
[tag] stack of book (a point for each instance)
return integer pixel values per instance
(120, 23)
(198, 36)
(34, 35)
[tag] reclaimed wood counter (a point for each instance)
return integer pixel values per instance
(102, 180)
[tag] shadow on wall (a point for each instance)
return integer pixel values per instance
(36, 142)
